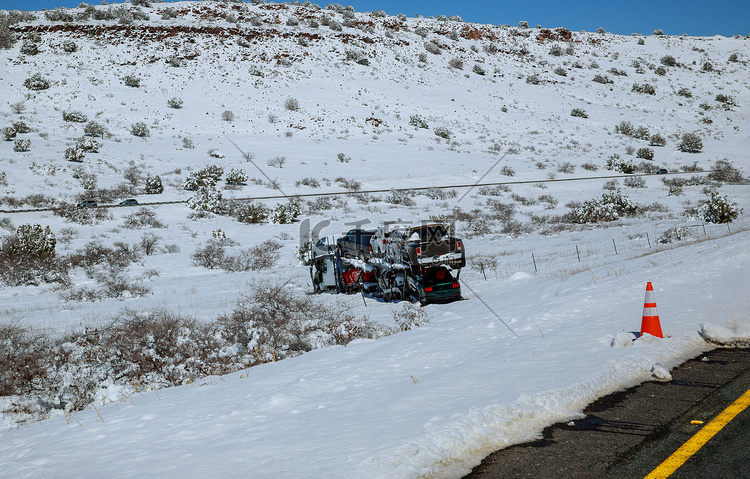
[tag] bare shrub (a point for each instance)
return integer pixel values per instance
(144, 217)
(291, 104)
(724, 171)
(635, 182)
(24, 359)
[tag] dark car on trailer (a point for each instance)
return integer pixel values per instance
(434, 284)
(427, 245)
(356, 243)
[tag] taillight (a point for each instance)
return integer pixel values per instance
(383, 241)
(419, 251)
(428, 289)
(456, 285)
(458, 245)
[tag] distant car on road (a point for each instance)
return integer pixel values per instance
(663, 171)
(128, 202)
(87, 204)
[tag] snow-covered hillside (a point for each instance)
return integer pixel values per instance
(303, 100)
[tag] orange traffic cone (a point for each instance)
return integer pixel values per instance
(650, 323)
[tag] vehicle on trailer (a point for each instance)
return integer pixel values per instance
(392, 283)
(128, 202)
(323, 246)
(355, 244)
(379, 243)
(427, 245)
(434, 284)
(87, 204)
(325, 273)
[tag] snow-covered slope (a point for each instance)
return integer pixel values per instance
(381, 103)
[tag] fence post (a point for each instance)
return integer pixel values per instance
(578, 253)
(615, 245)
(649, 240)
(534, 260)
(704, 229)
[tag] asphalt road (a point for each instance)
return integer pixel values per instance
(628, 434)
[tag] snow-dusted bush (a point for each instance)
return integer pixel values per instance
(555, 50)
(685, 92)
(94, 129)
(478, 69)
(603, 79)
(523, 24)
(658, 32)
(677, 233)
(227, 115)
(285, 213)
(7, 38)
(724, 172)
(74, 154)
(215, 153)
(252, 213)
(9, 133)
(635, 182)
(29, 48)
(69, 46)
(690, 143)
(644, 88)
(718, 209)
(668, 61)
(579, 113)
(342, 158)
(443, 132)
(607, 208)
(432, 48)
(21, 145)
(533, 79)
(207, 199)
(206, 177)
(236, 177)
(620, 165)
(175, 103)
(707, 67)
(144, 217)
(36, 82)
(727, 100)
(74, 116)
(89, 145)
(456, 63)
(418, 122)
(400, 197)
(132, 81)
(657, 140)
(154, 185)
(645, 153)
(140, 129)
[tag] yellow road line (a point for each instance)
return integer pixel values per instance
(678, 458)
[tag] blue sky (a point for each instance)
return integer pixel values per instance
(674, 17)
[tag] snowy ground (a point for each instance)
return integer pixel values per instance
(481, 375)
(430, 402)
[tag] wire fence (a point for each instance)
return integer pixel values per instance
(566, 255)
